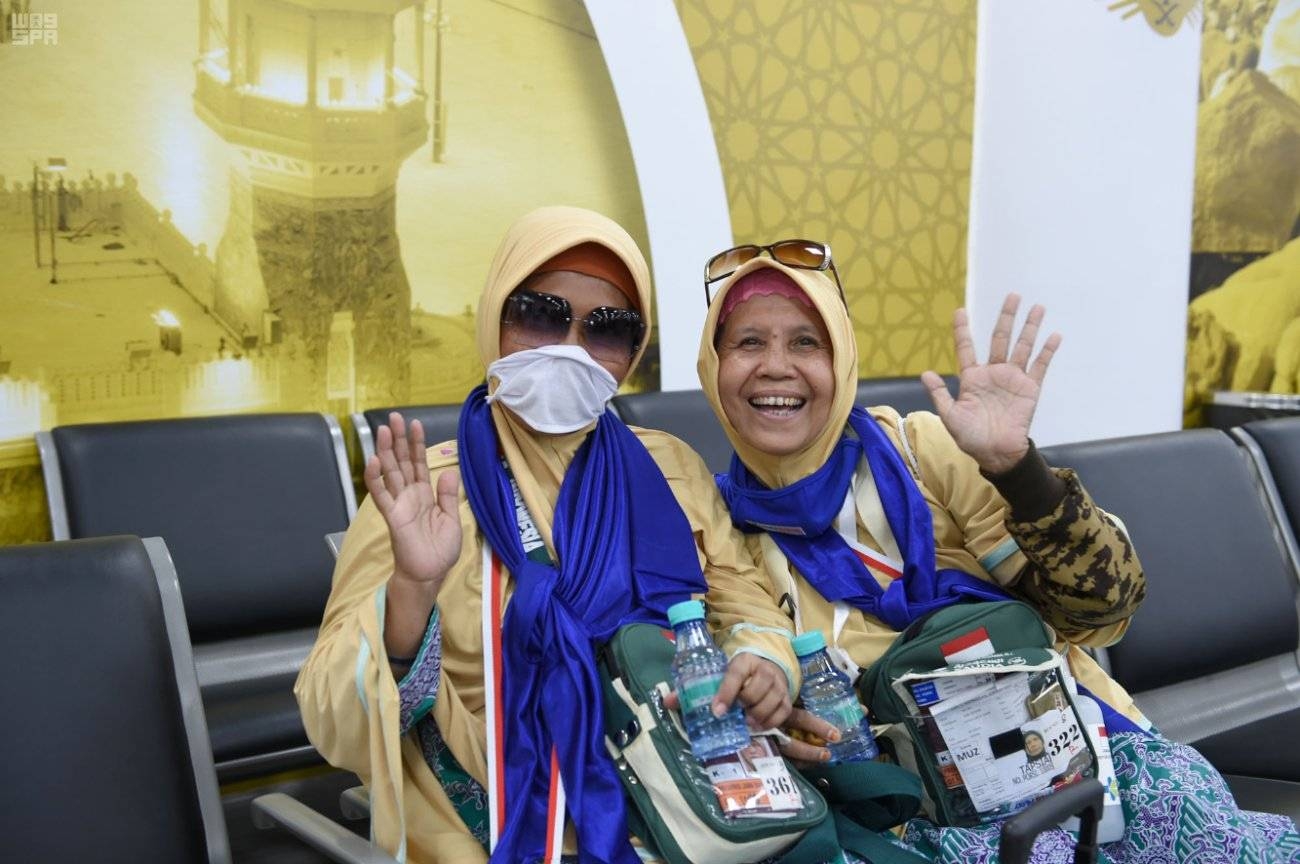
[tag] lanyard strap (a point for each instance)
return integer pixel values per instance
(873, 516)
(847, 525)
(494, 693)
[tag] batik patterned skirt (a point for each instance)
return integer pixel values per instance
(1177, 808)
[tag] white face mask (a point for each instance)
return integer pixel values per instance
(554, 389)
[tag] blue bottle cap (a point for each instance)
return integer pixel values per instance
(808, 643)
(687, 610)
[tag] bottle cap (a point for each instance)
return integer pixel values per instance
(808, 643)
(687, 610)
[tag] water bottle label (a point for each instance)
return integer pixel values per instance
(698, 691)
(844, 714)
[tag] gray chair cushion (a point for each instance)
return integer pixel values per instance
(439, 421)
(1210, 656)
(904, 394)
(242, 503)
(1279, 439)
(97, 765)
(683, 413)
(1219, 591)
(1266, 748)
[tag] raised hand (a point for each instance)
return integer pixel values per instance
(996, 400)
(423, 525)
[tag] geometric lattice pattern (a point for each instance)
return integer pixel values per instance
(851, 122)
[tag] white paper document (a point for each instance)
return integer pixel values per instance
(1008, 742)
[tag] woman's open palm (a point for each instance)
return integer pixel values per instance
(423, 524)
(996, 400)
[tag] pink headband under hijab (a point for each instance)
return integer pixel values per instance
(758, 283)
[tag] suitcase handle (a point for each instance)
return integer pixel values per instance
(1084, 799)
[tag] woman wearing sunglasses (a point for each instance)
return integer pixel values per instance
(454, 671)
(865, 520)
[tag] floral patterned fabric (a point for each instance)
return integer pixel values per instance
(418, 689)
(467, 795)
(1177, 808)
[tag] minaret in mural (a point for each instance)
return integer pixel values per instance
(322, 101)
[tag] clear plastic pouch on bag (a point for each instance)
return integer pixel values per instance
(997, 733)
(754, 782)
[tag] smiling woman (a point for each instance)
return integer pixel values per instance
(865, 521)
(774, 371)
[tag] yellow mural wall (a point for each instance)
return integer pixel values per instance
(220, 206)
(851, 123)
(222, 231)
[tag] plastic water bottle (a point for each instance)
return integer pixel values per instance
(1111, 826)
(698, 669)
(827, 693)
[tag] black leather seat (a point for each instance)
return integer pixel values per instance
(688, 415)
(904, 394)
(1211, 655)
(99, 763)
(106, 751)
(439, 421)
(1274, 444)
(683, 413)
(242, 503)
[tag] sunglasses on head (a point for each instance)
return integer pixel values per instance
(544, 319)
(803, 254)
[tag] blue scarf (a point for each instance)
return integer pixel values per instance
(626, 554)
(800, 518)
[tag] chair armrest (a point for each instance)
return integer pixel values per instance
(355, 803)
(318, 832)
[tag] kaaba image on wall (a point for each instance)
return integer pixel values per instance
(228, 206)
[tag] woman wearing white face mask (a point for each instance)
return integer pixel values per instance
(455, 670)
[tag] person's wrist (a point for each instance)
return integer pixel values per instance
(406, 582)
(1029, 486)
(1002, 462)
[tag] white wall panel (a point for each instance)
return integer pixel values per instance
(677, 166)
(1081, 199)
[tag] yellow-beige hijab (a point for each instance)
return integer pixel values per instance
(539, 461)
(778, 471)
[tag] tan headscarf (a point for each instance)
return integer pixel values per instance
(777, 471)
(537, 460)
(350, 701)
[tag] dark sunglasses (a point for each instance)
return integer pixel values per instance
(804, 254)
(544, 319)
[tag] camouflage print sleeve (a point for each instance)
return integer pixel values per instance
(1083, 574)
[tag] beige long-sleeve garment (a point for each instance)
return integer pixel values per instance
(349, 698)
(1074, 565)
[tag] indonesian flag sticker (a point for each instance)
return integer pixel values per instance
(968, 646)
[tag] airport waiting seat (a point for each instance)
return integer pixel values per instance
(683, 413)
(904, 393)
(107, 754)
(242, 503)
(688, 415)
(1211, 656)
(439, 421)
(1274, 446)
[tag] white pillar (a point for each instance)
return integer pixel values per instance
(1081, 199)
(677, 166)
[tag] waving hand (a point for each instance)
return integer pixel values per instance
(996, 400)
